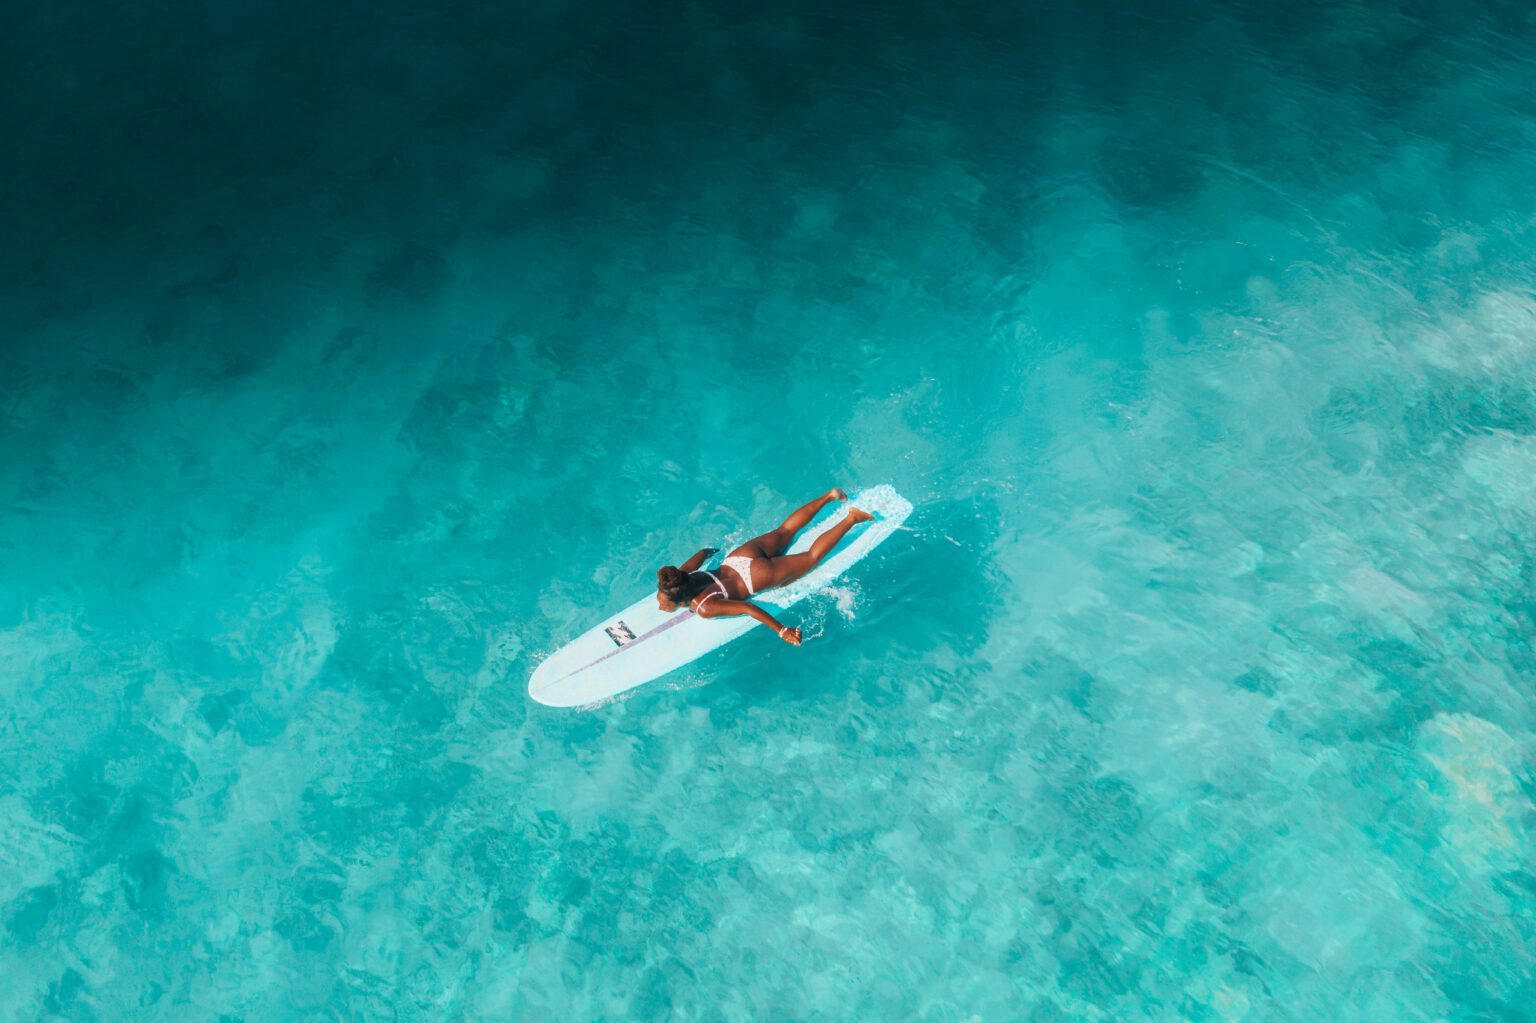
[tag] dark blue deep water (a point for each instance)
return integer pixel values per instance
(354, 357)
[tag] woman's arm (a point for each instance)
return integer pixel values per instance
(733, 608)
(693, 563)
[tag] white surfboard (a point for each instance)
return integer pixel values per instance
(642, 642)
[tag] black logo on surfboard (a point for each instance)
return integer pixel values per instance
(620, 633)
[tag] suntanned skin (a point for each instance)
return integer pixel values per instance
(770, 566)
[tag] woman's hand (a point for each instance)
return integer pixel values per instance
(746, 607)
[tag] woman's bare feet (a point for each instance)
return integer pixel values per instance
(857, 515)
(837, 494)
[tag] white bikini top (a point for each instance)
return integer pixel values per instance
(718, 592)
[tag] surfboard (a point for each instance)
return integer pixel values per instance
(642, 642)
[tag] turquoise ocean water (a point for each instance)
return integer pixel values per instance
(357, 356)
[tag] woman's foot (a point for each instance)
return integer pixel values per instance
(836, 494)
(857, 515)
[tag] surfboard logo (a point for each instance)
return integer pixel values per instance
(620, 633)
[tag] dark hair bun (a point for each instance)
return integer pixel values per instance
(672, 583)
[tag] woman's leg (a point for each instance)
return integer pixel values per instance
(771, 545)
(790, 567)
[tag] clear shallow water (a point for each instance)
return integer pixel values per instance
(355, 358)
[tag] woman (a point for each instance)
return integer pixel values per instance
(758, 564)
